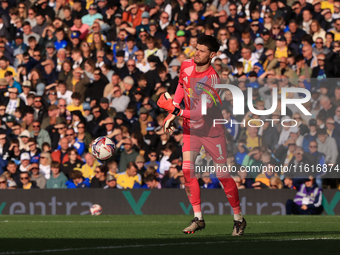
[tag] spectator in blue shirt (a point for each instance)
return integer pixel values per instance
(77, 180)
(210, 181)
(60, 42)
(310, 136)
(92, 16)
(74, 142)
(11, 82)
(242, 152)
(230, 126)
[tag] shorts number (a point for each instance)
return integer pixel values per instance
(219, 148)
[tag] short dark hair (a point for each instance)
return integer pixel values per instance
(26, 23)
(256, 149)
(150, 178)
(76, 95)
(62, 83)
(161, 69)
(59, 30)
(293, 20)
(153, 151)
(72, 149)
(32, 139)
(40, 14)
(11, 162)
(331, 34)
(31, 39)
(75, 174)
(298, 58)
(307, 38)
(209, 41)
(15, 141)
(55, 164)
(131, 164)
(141, 77)
(227, 110)
(25, 173)
(8, 73)
(130, 38)
(103, 169)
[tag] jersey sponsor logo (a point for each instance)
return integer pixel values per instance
(210, 90)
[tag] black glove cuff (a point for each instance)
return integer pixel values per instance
(176, 111)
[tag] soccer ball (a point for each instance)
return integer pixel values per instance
(103, 148)
(96, 210)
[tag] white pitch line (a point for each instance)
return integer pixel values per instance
(91, 221)
(141, 222)
(161, 244)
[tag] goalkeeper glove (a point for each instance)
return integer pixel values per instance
(165, 102)
(168, 124)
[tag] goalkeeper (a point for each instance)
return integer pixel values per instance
(199, 130)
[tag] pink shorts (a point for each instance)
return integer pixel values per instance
(215, 146)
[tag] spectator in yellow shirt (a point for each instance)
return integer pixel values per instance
(336, 30)
(266, 174)
(95, 29)
(281, 47)
(26, 181)
(329, 4)
(4, 67)
(75, 105)
(90, 166)
(129, 178)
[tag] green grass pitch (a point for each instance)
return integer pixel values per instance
(158, 234)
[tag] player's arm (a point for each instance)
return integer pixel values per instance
(165, 101)
(179, 95)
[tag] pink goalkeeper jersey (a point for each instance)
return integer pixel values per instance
(194, 122)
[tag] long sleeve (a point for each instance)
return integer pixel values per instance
(194, 114)
(179, 94)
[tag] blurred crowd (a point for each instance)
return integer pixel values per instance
(73, 70)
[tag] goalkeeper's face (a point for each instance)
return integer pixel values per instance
(202, 55)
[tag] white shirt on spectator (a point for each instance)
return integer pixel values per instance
(12, 105)
(251, 61)
(24, 97)
(157, 52)
(143, 67)
(45, 170)
(77, 63)
(221, 7)
(100, 64)
(109, 75)
(32, 22)
(22, 168)
(66, 96)
(37, 37)
(119, 103)
(164, 165)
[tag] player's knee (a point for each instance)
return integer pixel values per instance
(223, 175)
(188, 170)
